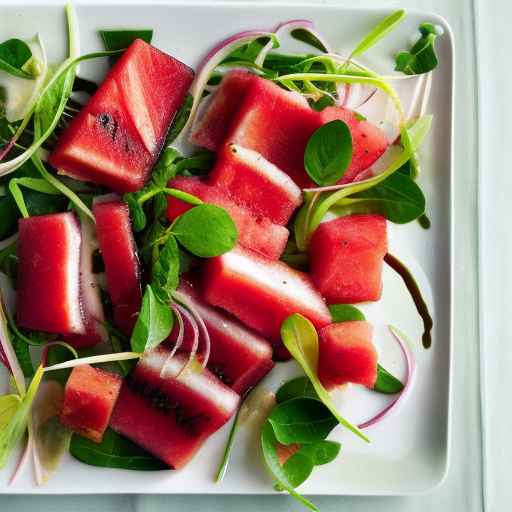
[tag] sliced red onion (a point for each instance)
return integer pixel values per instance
(212, 60)
(411, 372)
(24, 457)
(182, 299)
(195, 342)
(181, 330)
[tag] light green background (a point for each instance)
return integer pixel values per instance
(471, 485)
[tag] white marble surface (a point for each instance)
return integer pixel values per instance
(480, 142)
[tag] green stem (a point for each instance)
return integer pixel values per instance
(221, 471)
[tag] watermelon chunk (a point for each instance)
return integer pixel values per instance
(368, 141)
(48, 295)
(346, 256)
(89, 399)
(119, 253)
(256, 184)
(277, 124)
(254, 232)
(92, 307)
(116, 138)
(170, 417)
(347, 354)
(238, 356)
(261, 293)
(211, 130)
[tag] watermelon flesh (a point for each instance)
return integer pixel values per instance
(346, 257)
(92, 307)
(89, 399)
(48, 295)
(256, 184)
(239, 357)
(368, 141)
(261, 293)
(256, 233)
(171, 417)
(119, 253)
(116, 138)
(211, 130)
(347, 354)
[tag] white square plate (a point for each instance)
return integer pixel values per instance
(409, 451)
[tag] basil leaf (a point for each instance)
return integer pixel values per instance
(121, 39)
(206, 231)
(301, 339)
(386, 382)
(166, 270)
(114, 451)
(345, 313)
(298, 468)
(154, 323)
(320, 453)
(299, 387)
(378, 32)
(301, 421)
(328, 153)
(15, 55)
(268, 445)
(422, 56)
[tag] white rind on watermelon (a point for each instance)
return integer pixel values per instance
(48, 295)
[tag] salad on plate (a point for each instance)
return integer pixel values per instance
(172, 235)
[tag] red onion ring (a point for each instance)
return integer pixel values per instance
(22, 461)
(411, 372)
(195, 343)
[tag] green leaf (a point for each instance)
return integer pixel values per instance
(301, 339)
(378, 32)
(16, 425)
(345, 313)
(180, 119)
(320, 453)
(206, 231)
(166, 270)
(114, 451)
(301, 421)
(120, 39)
(386, 382)
(154, 323)
(9, 404)
(306, 36)
(268, 445)
(15, 56)
(8, 217)
(298, 468)
(422, 57)
(300, 387)
(328, 153)
(22, 355)
(398, 198)
(37, 184)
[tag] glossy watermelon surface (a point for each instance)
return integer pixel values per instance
(261, 293)
(368, 141)
(347, 354)
(212, 127)
(171, 416)
(346, 258)
(239, 357)
(89, 398)
(116, 138)
(254, 232)
(256, 184)
(118, 249)
(48, 295)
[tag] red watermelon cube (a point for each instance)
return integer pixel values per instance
(239, 357)
(256, 184)
(211, 130)
(368, 141)
(89, 399)
(119, 252)
(48, 295)
(277, 124)
(347, 354)
(171, 416)
(254, 232)
(116, 138)
(346, 257)
(261, 293)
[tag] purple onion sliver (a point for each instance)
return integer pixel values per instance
(411, 371)
(22, 461)
(195, 343)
